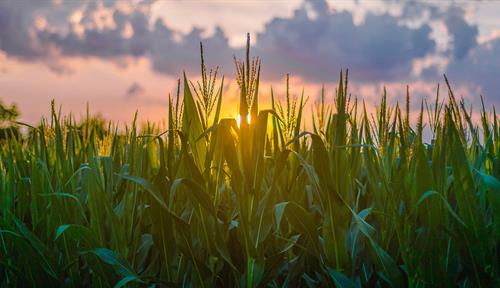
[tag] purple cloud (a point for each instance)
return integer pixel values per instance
(462, 33)
(134, 91)
(378, 49)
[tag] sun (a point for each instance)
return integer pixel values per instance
(238, 119)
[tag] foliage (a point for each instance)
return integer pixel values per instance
(8, 115)
(360, 201)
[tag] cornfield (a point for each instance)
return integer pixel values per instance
(358, 201)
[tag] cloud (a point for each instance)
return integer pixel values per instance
(316, 48)
(172, 58)
(313, 47)
(137, 93)
(463, 35)
(16, 34)
(134, 91)
(472, 67)
(106, 32)
(479, 69)
(101, 32)
(413, 10)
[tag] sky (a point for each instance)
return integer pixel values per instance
(122, 56)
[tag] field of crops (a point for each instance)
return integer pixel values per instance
(358, 201)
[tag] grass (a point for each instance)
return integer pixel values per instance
(361, 201)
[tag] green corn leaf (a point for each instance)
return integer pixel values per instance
(196, 193)
(192, 126)
(301, 221)
(428, 194)
(40, 248)
(339, 279)
(153, 191)
(77, 233)
(120, 265)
